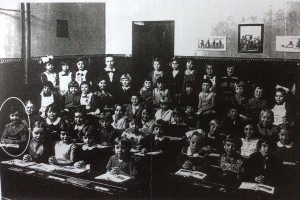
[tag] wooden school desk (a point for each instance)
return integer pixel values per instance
(25, 183)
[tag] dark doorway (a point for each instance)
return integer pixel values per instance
(151, 39)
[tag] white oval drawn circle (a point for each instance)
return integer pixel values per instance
(28, 128)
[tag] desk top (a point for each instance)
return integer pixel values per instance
(78, 178)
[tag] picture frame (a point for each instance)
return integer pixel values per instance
(250, 38)
(212, 43)
(288, 44)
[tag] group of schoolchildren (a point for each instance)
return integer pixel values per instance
(210, 115)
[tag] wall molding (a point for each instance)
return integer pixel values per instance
(235, 59)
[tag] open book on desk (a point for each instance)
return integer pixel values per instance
(51, 168)
(257, 187)
(190, 173)
(152, 153)
(114, 178)
(9, 145)
(17, 162)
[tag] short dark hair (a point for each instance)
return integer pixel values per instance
(53, 107)
(123, 141)
(233, 139)
(48, 84)
(265, 140)
(73, 84)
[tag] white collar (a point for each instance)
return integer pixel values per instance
(125, 88)
(108, 69)
(287, 145)
(79, 127)
(54, 123)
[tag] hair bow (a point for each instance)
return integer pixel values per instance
(46, 59)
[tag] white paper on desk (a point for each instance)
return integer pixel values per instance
(184, 172)
(154, 153)
(139, 154)
(289, 163)
(256, 186)
(266, 188)
(114, 178)
(190, 173)
(248, 186)
(102, 146)
(134, 150)
(19, 163)
(9, 145)
(43, 167)
(72, 169)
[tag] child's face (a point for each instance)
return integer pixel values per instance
(258, 92)
(14, 117)
(125, 82)
(133, 126)
(230, 71)
(89, 140)
(65, 137)
(229, 148)
(175, 65)
(284, 137)
(160, 86)
(46, 90)
(49, 67)
(78, 118)
(104, 122)
(121, 151)
(156, 65)
(213, 127)
(279, 97)
(264, 149)
(158, 131)
(189, 109)
(118, 110)
(109, 62)
(164, 106)
(249, 131)
(145, 115)
(73, 90)
(38, 134)
(189, 89)
(102, 85)
(84, 89)
(189, 65)
(239, 90)
(147, 84)
(205, 87)
(80, 65)
(134, 100)
(51, 114)
(29, 108)
(266, 119)
(233, 113)
(65, 68)
(195, 143)
(209, 70)
(178, 119)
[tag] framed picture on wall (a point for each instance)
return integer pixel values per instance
(212, 43)
(288, 43)
(251, 38)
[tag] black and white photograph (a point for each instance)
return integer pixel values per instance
(149, 99)
(212, 43)
(288, 43)
(251, 37)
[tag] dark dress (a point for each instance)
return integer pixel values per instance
(270, 167)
